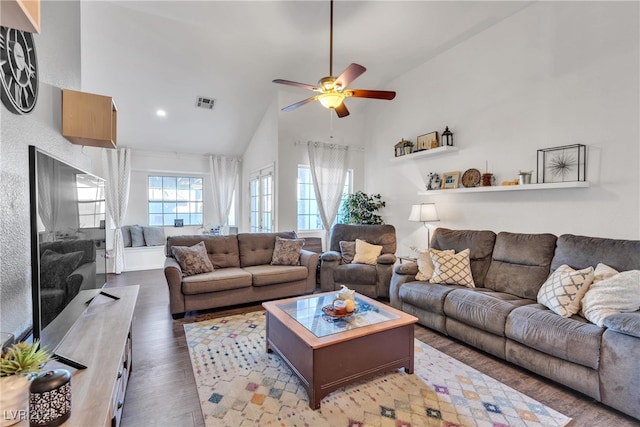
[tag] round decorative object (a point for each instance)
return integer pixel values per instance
(331, 312)
(471, 178)
(50, 399)
(18, 70)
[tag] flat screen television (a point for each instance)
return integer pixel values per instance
(68, 263)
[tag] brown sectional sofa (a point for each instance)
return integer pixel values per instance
(242, 272)
(501, 315)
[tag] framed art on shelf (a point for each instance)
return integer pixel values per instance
(562, 164)
(427, 141)
(450, 180)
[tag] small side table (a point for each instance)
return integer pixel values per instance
(406, 258)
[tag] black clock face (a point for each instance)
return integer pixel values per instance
(18, 70)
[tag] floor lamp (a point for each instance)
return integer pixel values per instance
(424, 212)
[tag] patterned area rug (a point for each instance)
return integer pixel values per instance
(240, 384)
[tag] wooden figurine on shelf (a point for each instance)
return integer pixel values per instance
(434, 181)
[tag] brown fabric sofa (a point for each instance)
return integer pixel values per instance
(242, 272)
(370, 280)
(501, 315)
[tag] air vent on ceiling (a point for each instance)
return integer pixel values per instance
(206, 103)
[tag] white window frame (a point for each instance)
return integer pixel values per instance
(191, 203)
(312, 201)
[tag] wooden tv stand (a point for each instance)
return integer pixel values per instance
(101, 340)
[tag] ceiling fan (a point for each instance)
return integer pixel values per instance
(333, 90)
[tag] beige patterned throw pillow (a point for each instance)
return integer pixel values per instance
(451, 269)
(564, 289)
(286, 251)
(192, 259)
(366, 253)
(425, 265)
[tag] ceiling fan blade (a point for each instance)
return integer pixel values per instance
(341, 110)
(300, 103)
(351, 73)
(290, 83)
(377, 94)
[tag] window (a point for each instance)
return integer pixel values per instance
(175, 197)
(91, 205)
(308, 213)
(261, 197)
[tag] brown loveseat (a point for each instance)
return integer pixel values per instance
(501, 314)
(242, 272)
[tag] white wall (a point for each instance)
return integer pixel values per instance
(556, 73)
(58, 53)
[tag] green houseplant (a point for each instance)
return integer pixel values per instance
(362, 208)
(17, 366)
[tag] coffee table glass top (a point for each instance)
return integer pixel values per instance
(308, 312)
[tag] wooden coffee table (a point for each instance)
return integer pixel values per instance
(327, 353)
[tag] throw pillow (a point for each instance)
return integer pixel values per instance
(137, 236)
(348, 250)
(366, 253)
(192, 259)
(602, 272)
(287, 251)
(153, 236)
(126, 236)
(617, 294)
(564, 289)
(55, 267)
(425, 265)
(451, 269)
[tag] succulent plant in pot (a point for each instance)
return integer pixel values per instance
(17, 366)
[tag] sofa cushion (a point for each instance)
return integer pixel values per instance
(263, 275)
(356, 274)
(451, 269)
(480, 244)
(55, 267)
(481, 308)
(425, 265)
(192, 259)
(126, 235)
(348, 251)
(520, 263)
(564, 289)
(153, 236)
(572, 339)
(137, 236)
(223, 251)
(257, 248)
(617, 294)
(366, 253)
(429, 297)
(376, 234)
(218, 280)
(580, 252)
(286, 251)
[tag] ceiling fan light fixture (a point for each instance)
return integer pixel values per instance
(331, 100)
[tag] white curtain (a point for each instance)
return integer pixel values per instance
(328, 164)
(48, 194)
(116, 165)
(224, 173)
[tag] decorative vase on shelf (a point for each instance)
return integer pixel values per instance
(14, 399)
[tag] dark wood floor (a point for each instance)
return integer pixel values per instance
(162, 390)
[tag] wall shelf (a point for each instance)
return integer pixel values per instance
(425, 153)
(495, 188)
(89, 119)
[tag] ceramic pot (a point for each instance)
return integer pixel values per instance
(14, 399)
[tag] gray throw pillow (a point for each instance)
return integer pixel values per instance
(137, 236)
(55, 267)
(153, 236)
(287, 251)
(126, 236)
(192, 259)
(348, 250)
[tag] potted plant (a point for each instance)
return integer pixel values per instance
(361, 208)
(17, 367)
(408, 146)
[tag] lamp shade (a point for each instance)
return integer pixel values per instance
(425, 212)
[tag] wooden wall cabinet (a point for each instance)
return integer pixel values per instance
(89, 119)
(20, 14)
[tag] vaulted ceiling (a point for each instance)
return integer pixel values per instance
(152, 55)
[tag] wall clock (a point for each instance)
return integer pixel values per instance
(471, 178)
(18, 70)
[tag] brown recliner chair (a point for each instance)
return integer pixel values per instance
(369, 280)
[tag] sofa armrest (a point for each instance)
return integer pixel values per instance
(173, 274)
(624, 323)
(331, 256)
(402, 273)
(387, 259)
(329, 261)
(310, 260)
(87, 274)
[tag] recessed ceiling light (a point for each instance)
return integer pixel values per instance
(161, 113)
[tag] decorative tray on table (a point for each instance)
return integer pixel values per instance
(329, 311)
